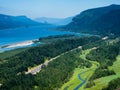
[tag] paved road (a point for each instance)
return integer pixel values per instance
(38, 68)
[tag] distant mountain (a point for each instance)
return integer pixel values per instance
(55, 21)
(103, 20)
(7, 21)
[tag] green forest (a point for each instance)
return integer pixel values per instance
(59, 71)
(12, 71)
(61, 50)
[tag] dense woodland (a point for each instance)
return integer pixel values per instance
(106, 21)
(103, 54)
(12, 71)
(59, 71)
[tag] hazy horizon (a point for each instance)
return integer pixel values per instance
(50, 8)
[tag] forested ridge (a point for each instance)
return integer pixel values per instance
(103, 21)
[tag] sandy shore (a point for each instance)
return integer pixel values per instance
(20, 44)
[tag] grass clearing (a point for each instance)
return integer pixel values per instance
(116, 65)
(75, 81)
(104, 81)
(84, 73)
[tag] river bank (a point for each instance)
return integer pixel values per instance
(19, 45)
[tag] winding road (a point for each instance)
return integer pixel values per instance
(38, 68)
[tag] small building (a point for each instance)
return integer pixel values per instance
(80, 47)
(104, 38)
(0, 84)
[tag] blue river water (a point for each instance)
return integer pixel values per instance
(11, 36)
(23, 34)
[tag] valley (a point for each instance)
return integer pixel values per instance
(47, 52)
(72, 41)
(81, 74)
(80, 67)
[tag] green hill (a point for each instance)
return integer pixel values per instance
(103, 20)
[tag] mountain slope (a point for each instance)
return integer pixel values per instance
(55, 21)
(109, 23)
(87, 21)
(7, 21)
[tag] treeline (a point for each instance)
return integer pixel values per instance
(95, 44)
(57, 36)
(50, 39)
(105, 55)
(101, 72)
(19, 63)
(113, 85)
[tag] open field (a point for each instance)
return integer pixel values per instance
(87, 72)
(75, 81)
(81, 75)
(104, 81)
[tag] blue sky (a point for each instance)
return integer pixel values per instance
(50, 8)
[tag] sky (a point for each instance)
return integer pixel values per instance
(50, 8)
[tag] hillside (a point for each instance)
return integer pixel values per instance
(108, 23)
(98, 20)
(7, 21)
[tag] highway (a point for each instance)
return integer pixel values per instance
(38, 68)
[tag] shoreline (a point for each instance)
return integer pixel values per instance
(20, 44)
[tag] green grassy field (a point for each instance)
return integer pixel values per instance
(74, 81)
(86, 73)
(104, 81)
(99, 83)
(116, 65)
